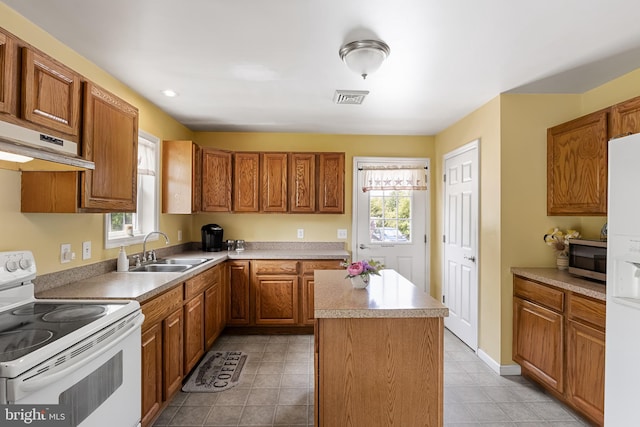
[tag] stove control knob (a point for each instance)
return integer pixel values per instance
(11, 266)
(25, 263)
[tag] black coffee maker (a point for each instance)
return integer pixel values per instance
(212, 238)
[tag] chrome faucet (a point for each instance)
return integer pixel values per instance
(144, 245)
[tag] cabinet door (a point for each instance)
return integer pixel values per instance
(110, 139)
(585, 369)
(213, 322)
(8, 78)
(538, 342)
(181, 177)
(625, 118)
(307, 301)
(331, 182)
(216, 180)
(238, 291)
(577, 166)
(172, 332)
(276, 300)
(274, 182)
(302, 182)
(50, 93)
(246, 172)
(151, 373)
(193, 332)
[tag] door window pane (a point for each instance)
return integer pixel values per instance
(390, 216)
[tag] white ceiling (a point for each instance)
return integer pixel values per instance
(273, 65)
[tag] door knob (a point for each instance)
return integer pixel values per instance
(470, 258)
(362, 246)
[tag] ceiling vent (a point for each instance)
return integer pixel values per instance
(350, 96)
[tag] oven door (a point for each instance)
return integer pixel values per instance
(98, 379)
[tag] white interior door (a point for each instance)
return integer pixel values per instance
(390, 225)
(460, 269)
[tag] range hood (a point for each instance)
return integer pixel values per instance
(49, 153)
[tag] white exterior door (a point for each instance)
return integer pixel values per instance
(460, 269)
(390, 225)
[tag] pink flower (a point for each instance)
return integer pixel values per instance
(355, 268)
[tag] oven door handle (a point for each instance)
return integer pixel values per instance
(40, 382)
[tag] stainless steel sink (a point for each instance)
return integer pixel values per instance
(161, 268)
(182, 261)
(169, 265)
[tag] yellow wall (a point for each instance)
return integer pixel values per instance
(318, 228)
(43, 233)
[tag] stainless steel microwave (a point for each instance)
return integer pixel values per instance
(588, 258)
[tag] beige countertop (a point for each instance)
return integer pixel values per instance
(141, 286)
(389, 295)
(563, 280)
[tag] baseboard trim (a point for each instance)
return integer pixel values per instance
(496, 367)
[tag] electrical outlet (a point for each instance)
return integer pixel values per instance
(179, 235)
(65, 253)
(300, 233)
(86, 250)
(342, 233)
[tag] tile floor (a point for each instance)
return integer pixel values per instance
(276, 389)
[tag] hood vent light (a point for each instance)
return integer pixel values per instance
(350, 96)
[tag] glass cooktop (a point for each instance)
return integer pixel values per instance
(31, 326)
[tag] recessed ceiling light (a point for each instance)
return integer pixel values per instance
(170, 93)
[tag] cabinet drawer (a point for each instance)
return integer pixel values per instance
(588, 310)
(161, 306)
(196, 285)
(536, 292)
(275, 267)
(325, 264)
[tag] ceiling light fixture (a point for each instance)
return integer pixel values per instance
(170, 93)
(364, 56)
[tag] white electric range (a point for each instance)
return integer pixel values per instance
(81, 357)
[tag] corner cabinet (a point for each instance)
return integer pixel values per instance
(181, 177)
(559, 341)
(577, 166)
(110, 140)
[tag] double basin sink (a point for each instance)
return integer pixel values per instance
(169, 265)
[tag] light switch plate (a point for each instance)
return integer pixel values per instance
(342, 233)
(65, 253)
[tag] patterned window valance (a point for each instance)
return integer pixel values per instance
(409, 177)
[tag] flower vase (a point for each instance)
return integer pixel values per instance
(359, 282)
(562, 261)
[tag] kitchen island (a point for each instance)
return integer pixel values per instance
(378, 352)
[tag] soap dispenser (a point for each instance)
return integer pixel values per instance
(123, 261)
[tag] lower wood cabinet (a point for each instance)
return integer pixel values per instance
(559, 341)
(273, 293)
(180, 325)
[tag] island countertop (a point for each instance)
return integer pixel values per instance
(389, 295)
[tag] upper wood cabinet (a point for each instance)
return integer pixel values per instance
(274, 182)
(331, 182)
(181, 177)
(577, 166)
(7, 72)
(246, 175)
(110, 139)
(625, 118)
(302, 182)
(216, 180)
(50, 93)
